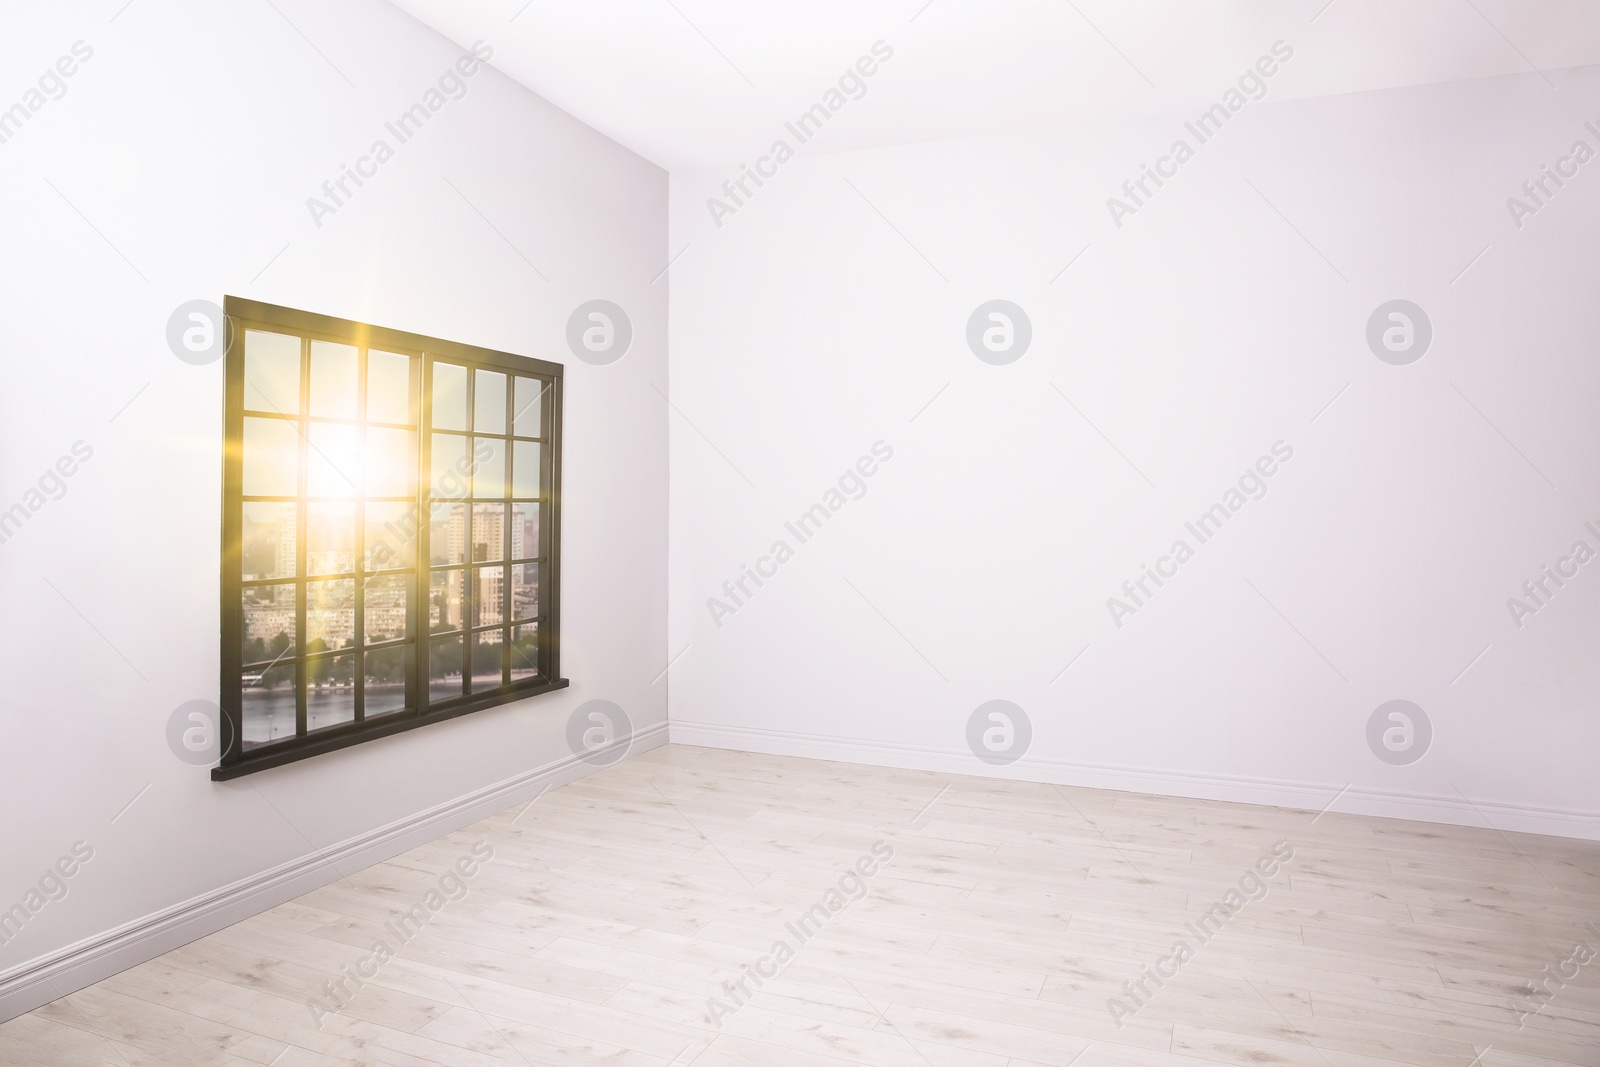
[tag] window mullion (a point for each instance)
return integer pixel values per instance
(422, 572)
(508, 513)
(358, 661)
(302, 522)
(548, 413)
(468, 593)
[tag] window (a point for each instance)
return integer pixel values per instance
(391, 533)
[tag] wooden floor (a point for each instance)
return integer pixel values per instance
(1009, 916)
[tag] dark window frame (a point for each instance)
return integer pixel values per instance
(420, 709)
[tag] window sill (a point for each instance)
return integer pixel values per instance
(358, 733)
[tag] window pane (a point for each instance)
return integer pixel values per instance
(525, 591)
(391, 536)
(269, 541)
(271, 457)
(524, 651)
(268, 701)
(269, 622)
(488, 660)
(333, 460)
(271, 372)
(388, 388)
(489, 402)
(525, 469)
(444, 601)
(488, 595)
(391, 462)
(330, 615)
(331, 539)
(488, 532)
(444, 669)
(333, 380)
(386, 671)
(489, 462)
(447, 534)
(450, 467)
(386, 610)
(449, 397)
(330, 691)
(524, 531)
(529, 410)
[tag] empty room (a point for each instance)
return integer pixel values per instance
(921, 533)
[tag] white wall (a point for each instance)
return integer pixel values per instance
(1212, 324)
(190, 141)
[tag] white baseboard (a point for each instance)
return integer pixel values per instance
(54, 975)
(1454, 811)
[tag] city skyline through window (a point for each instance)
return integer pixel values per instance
(390, 530)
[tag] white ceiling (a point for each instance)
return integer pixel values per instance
(695, 84)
